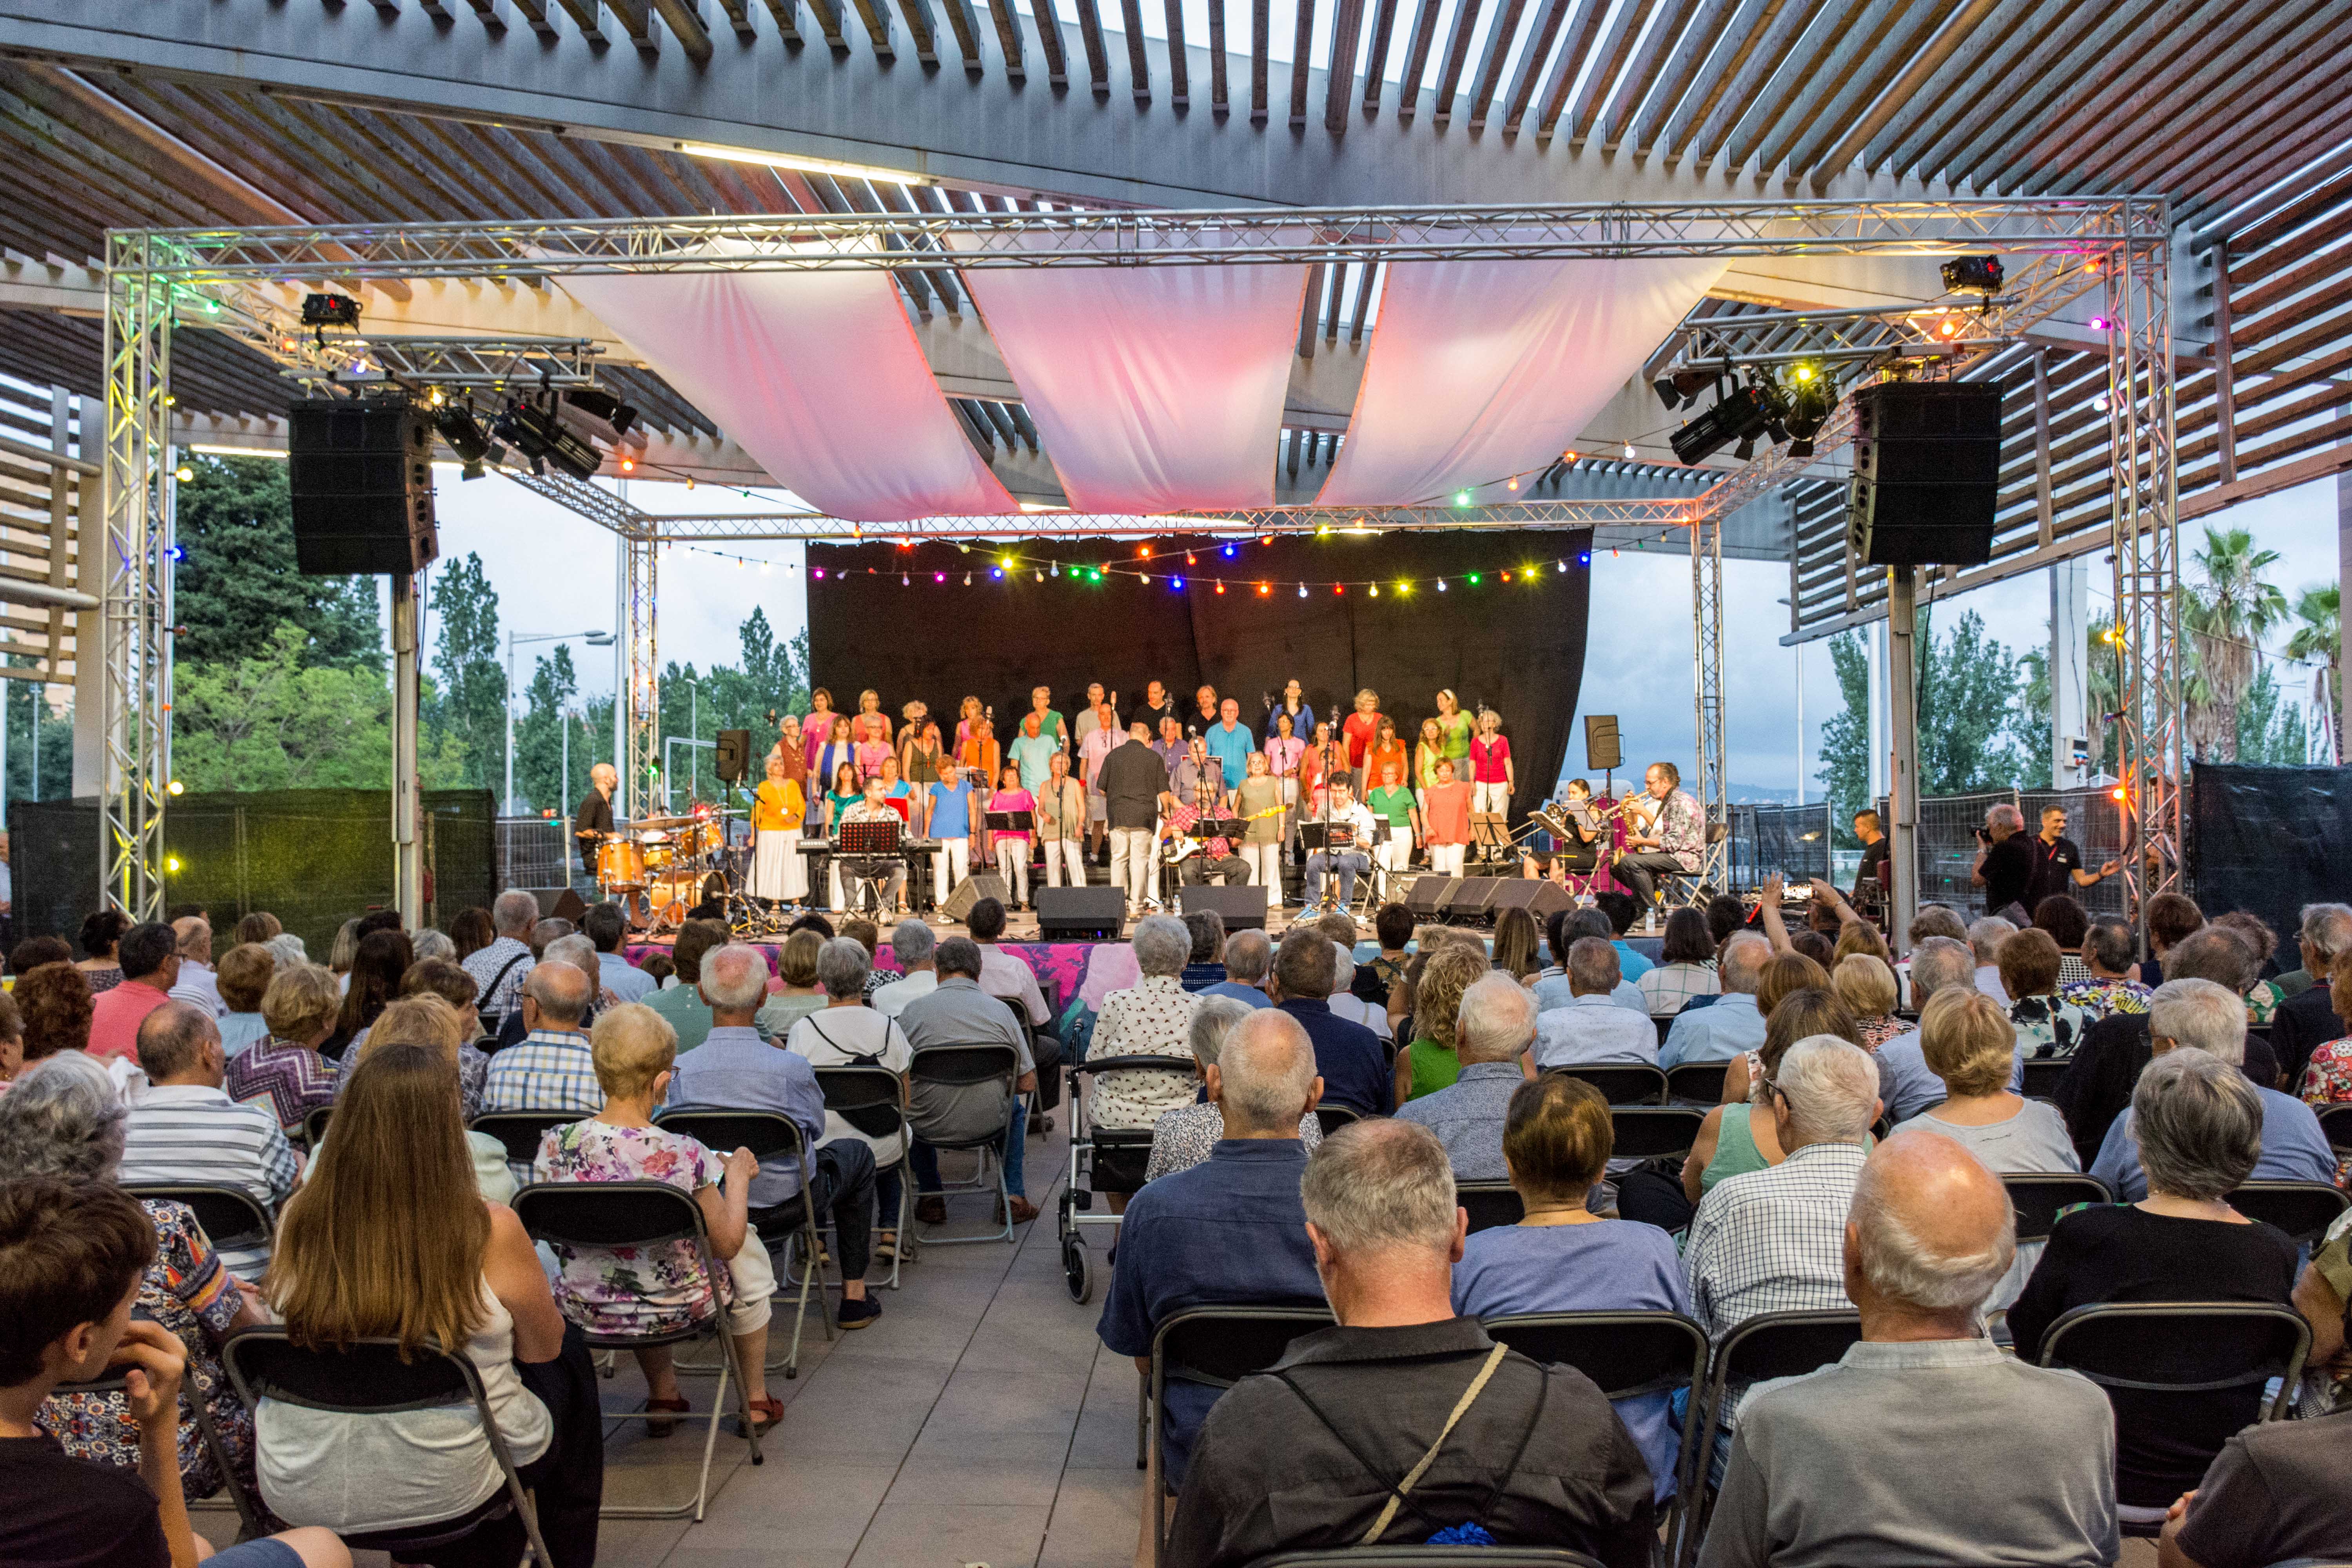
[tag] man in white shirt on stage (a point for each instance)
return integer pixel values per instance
(1351, 861)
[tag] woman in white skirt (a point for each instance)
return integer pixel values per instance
(1012, 844)
(778, 871)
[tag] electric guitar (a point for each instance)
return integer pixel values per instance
(1184, 846)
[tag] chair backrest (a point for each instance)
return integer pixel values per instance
(1634, 1083)
(1625, 1353)
(1782, 1344)
(1489, 1203)
(2036, 1196)
(867, 1097)
(1664, 1027)
(2127, 1345)
(1642, 1130)
(965, 1064)
(368, 1378)
(2041, 1079)
(1432, 1557)
(231, 1217)
(960, 1093)
(2303, 1209)
(1331, 1118)
(2336, 1122)
(608, 1214)
(314, 1124)
(1223, 1344)
(520, 1130)
(1700, 1082)
(767, 1133)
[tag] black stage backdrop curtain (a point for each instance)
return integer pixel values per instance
(1516, 647)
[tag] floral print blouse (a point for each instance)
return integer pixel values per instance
(630, 1290)
(2047, 1028)
(2328, 1080)
(1152, 1017)
(2103, 998)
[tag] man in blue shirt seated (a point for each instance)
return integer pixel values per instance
(1232, 1231)
(1249, 953)
(2210, 1018)
(1564, 931)
(1906, 1081)
(1593, 1029)
(1619, 908)
(1355, 1069)
(735, 1068)
(605, 926)
(1733, 1025)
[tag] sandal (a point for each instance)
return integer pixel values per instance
(768, 1411)
(886, 1247)
(658, 1427)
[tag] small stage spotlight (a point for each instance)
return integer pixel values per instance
(329, 311)
(1681, 388)
(1811, 394)
(1740, 415)
(1973, 275)
(539, 435)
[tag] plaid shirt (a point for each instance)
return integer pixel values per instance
(549, 1070)
(1180, 822)
(1773, 1241)
(296, 1078)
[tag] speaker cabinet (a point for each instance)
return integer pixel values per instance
(360, 477)
(1540, 899)
(1077, 914)
(1239, 907)
(1926, 473)
(1426, 898)
(1600, 750)
(732, 756)
(970, 890)
(1474, 898)
(560, 904)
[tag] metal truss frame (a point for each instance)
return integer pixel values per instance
(1706, 665)
(483, 364)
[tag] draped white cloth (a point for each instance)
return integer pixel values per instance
(1154, 388)
(817, 374)
(1480, 369)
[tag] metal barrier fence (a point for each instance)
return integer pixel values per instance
(1793, 840)
(1947, 842)
(535, 852)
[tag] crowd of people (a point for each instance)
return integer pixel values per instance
(1309, 1115)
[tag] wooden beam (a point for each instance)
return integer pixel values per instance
(2225, 394)
(2286, 476)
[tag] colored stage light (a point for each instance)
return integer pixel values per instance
(1263, 589)
(996, 572)
(329, 311)
(1473, 579)
(1973, 275)
(1302, 590)
(1583, 560)
(1190, 559)
(1229, 550)
(1441, 584)
(172, 862)
(1462, 498)
(1177, 584)
(818, 573)
(183, 473)
(938, 576)
(1221, 587)
(176, 787)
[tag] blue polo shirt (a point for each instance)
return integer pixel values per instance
(1230, 1230)
(951, 810)
(735, 1070)
(1354, 1068)
(2293, 1149)
(1232, 747)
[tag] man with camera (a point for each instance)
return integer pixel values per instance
(2004, 865)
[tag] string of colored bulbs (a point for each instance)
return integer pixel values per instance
(1177, 579)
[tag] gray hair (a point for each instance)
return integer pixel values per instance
(62, 1118)
(1593, 969)
(1985, 937)
(1496, 1020)
(734, 977)
(289, 948)
(563, 991)
(1214, 1017)
(1249, 953)
(1939, 962)
(1162, 945)
(1894, 1257)
(1375, 1186)
(2327, 929)
(959, 956)
(171, 1039)
(912, 944)
(1742, 965)
(1831, 1087)
(431, 943)
(1343, 969)
(1266, 1067)
(2200, 1013)
(513, 912)
(576, 951)
(842, 965)
(2005, 811)
(2199, 1123)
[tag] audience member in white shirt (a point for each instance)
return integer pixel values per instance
(912, 944)
(196, 984)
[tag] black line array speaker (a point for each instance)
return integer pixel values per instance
(1239, 907)
(1600, 750)
(732, 758)
(1539, 897)
(1080, 913)
(970, 890)
(1926, 473)
(1474, 898)
(360, 475)
(1426, 898)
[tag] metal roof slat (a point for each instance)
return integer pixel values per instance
(1642, 78)
(1725, 63)
(1220, 87)
(2080, 53)
(1339, 66)
(137, 193)
(1261, 50)
(1139, 62)
(1008, 38)
(1913, 75)
(1788, 23)
(1706, 36)
(1090, 33)
(1956, 69)
(1416, 58)
(1541, 37)
(1616, 44)
(876, 17)
(1450, 64)
(923, 28)
(1785, 91)
(1180, 68)
(1302, 52)
(687, 22)
(1487, 80)
(1914, 46)
(2001, 61)
(966, 28)
(2251, 235)
(1365, 283)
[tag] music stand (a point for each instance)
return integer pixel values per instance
(870, 850)
(1008, 821)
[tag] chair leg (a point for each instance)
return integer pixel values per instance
(718, 1407)
(906, 1234)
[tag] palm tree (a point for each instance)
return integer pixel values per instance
(2318, 634)
(2227, 619)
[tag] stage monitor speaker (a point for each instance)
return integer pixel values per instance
(1426, 898)
(733, 757)
(1240, 907)
(560, 904)
(1600, 751)
(970, 890)
(1926, 473)
(1080, 913)
(360, 478)
(1474, 898)
(1539, 897)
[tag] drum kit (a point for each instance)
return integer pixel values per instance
(669, 860)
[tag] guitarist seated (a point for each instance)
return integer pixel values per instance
(1196, 858)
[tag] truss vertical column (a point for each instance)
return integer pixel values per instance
(641, 688)
(1706, 678)
(135, 593)
(2147, 566)
(407, 843)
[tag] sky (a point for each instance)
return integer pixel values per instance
(554, 572)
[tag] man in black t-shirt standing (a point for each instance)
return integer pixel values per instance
(2058, 861)
(1876, 850)
(1133, 778)
(1157, 705)
(2004, 865)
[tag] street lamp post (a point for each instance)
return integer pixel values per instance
(514, 638)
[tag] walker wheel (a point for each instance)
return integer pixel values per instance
(1074, 1270)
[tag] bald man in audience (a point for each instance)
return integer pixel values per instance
(552, 1067)
(1925, 1443)
(1495, 1028)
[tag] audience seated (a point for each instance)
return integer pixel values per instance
(197, 983)
(388, 1236)
(54, 1002)
(957, 1012)
(2200, 1134)
(1561, 1256)
(1866, 986)
(846, 1032)
(1593, 1029)
(186, 1130)
(242, 979)
(1621, 910)
(2098, 1082)
(1308, 1455)
(1249, 958)
(1687, 969)
(2211, 1018)
(661, 1288)
(2048, 1026)
(1734, 1023)
(1985, 937)
(1341, 927)
(1909, 1085)
(552, 1067)
(2327, 1078)
(735, 1070)
(1153, 1017)
(299, 1007)
(800, 988)
(148, 954)
(499, 968)
(426, 1020)
(1002, 975)
(1565, 930)
(379, 960)
(1229, 1229)
(1431, 1061)
(682, 1005)
(447, 979)
(1354, 1068)
(1391, 929)
(1733, 1139)
(606, 926)
(913, 944)
(75, 1261)
(1492, 1035)
(1924, 1443)
(1206, 964)
(1185, 1137)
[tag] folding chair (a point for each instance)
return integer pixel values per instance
(1633, 1084)
(767, 1134)
(949, 1108)
(2335, 1123)
(2117, 1344)
(1627, 1355)
(873, 1100)
(1696, 1083)
(250, 1521)
(1331, 1118)
(233, 1219)
(605, 1215)
(2303, 1209)
(1643, 1130)
(521, 1132)
(1218, 1346)
(1771, 1344)
(1489, 1203)
(314, 1124)
(2037, 1197)
(2042, 1077)
(1432, 1557)
(369, 1378)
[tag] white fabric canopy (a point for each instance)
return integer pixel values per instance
(816, 375)
(1154, 388)
(1480, 369)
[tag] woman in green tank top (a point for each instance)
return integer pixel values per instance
(1438, 978)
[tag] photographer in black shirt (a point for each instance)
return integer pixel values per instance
(2004, 863)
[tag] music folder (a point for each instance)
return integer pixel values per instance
(1008, 821)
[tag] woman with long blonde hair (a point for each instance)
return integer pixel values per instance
(1428, 1063)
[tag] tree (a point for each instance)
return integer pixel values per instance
(236, 578)
(2227, 617)
(2318, 637)
(552, 702)
(271, 723)
(1846, 740)
(33, 730)
(2268, 729)
(1968, 685)
(469, 708)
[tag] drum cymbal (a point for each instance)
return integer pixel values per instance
(645, 822)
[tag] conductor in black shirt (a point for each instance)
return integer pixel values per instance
(2004, 866)
(2058, 861)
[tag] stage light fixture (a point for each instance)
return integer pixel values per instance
(1680, 389)
(1810, 397)
(183, 473)
(1973, 275)
(601, 406)
(329, 311)
(1740, 415)
(544, 439)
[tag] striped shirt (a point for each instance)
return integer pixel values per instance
(498, 994)
(184, 1133)
(550, 1070)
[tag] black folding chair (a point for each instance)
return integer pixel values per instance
(2303, 1209)
(1643, 1130)
(1331, 1118)
(873, 1102)
(1698, 1083)
(250, 1516)
(1771, 1344)
(314, 1125)
(520, 1130)
(369, 1378)
(1489, 1203)
(233, 1219)
(768, 1135)
(1218, 1346)
(605, 1215)
(2036, 1196)
(1432, 1557)
(968, 1066)
(2335, 1122)
(1627, 1355)
(2117, 1344)
(1633, 1084)
(2041, 1079)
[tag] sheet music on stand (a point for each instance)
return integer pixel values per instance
(1486, 828)
(1008, 821)
(1229, 829)
(1315, 835)
(878, 840)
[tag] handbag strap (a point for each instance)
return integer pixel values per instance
(1397, 1490)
